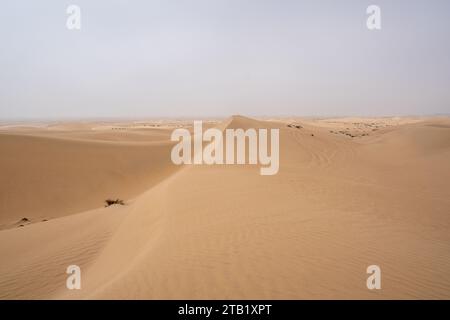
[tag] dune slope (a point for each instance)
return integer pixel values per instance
(44, 177)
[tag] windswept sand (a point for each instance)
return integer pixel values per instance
(349, 193)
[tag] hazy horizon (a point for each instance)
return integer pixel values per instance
(212, 59)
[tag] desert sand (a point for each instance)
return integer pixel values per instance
(350, 192)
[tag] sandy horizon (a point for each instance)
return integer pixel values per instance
(350, 192)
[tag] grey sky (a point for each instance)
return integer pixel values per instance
(216, 58)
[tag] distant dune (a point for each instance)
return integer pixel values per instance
(349, 193)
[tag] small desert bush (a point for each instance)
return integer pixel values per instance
(110, 202)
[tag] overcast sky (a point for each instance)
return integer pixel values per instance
(217, 58)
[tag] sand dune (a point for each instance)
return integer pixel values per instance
(47, 177)
(340, 203)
